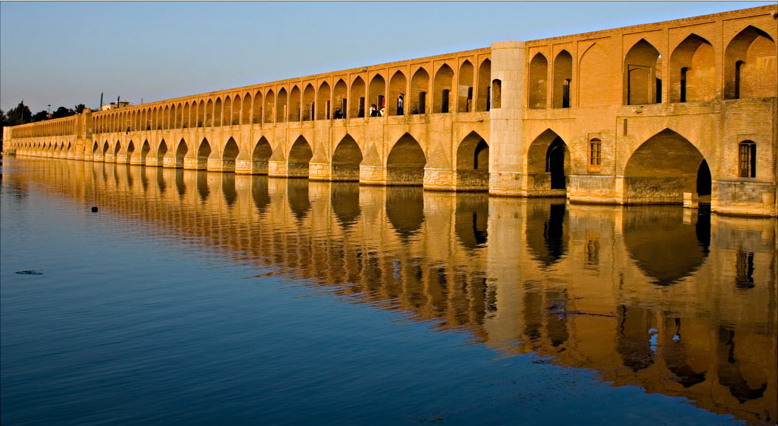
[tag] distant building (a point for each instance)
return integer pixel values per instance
(115, 105)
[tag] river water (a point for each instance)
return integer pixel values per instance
(206, 298)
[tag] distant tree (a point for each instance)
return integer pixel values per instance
(19, 115)
(79, 108)
(62, 112)
(40, 116)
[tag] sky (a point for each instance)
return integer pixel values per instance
(70, 52)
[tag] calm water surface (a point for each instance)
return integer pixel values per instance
(206, 298)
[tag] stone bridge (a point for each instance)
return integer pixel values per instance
(681, 111)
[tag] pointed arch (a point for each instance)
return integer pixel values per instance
(538, 75)
(548, 163)
(208, 114)
(484, 101)
(465, 89)
(299, 158)
(642, 76)
(281, 106)
(323, 107)
(204, 152)
(662, 169)
(377, 91)
(444, 79)
(692, 71)
(270, 107)
(750, 65)
(181, 150)
(340, 96)
(563, 79)
(420, 83)
(594, 78)
(260, 156)
(229, 154)
(405, 162)
(144, 151)
(396, 102)
(358, 98)
(309, 103)
(473, 163)
(346, 159)
(161, 152)
(295, 99)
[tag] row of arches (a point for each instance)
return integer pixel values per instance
(466, 90)
(60, 127)
(404, 164)
(749, 71)
(666, 161)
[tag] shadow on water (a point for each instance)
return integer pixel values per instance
(668, 243)
(228, 188)
(472, 217)
(547, 236)
(259, 192)
(202, 185)
(299, 202)
(345, 203)
(405, 210)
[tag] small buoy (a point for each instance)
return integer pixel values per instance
(94, 209)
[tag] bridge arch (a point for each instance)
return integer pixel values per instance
(563, 79)
(144, 151)
(299, 158)
(465, 89)
(229, 154)
(749, 71)
(548, 164)
(106, 147)
(377, 91)
(483, 103)
(270, 107)
(420, 83)
(473, 163)
(642, 75)
(161, 152)
(538, 75)
(443, 84)
(397, 86)
(295, 100)
(281, 106)
(663, 168)
(309, 105)
(323, 106)
(340, 96)
(692, 71)
(251, 111)
(217, 112)
(209, 114)
(358, 98)
(346, 159)
(260, 156)
(405, 162)
(181, 150)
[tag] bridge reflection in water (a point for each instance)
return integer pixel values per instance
(672, 300)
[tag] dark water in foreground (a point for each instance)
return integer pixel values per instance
(203, 298)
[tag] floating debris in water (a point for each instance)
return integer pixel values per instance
(94, 209)
(29, 272)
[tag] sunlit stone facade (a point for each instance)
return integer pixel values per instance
(680, 111)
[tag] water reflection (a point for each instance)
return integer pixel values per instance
(672, 300)
(650, 233)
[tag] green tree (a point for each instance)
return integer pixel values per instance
(62, 112)
(3, 123)
(40, 116)
(79, 108)
(19, 115)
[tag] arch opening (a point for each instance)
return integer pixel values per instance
(538, 74)
(443, 84)
(563, 78)
(419, 87)
(642, 75)
(692, 71)
(346, 160)
(548, 164)
(229, 155)
(299, 158)
(181, 152)
(405, 163)
(465, 88)
(261, 156)
(473, 163)
(663, 169)
(750, 65)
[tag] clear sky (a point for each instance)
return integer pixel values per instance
(68, 53)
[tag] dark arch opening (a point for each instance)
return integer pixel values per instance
(299, 158)
(405, 163)
(346, 160)
(261, 156)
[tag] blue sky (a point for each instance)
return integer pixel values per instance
(68, 53)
